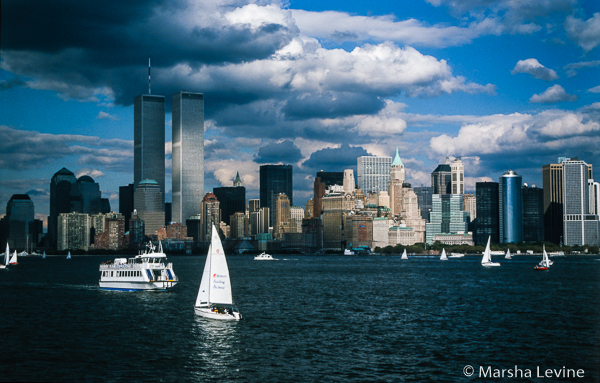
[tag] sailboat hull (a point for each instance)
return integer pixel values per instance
(207, 312)
(490, 264)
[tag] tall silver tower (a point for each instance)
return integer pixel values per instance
(188, 155)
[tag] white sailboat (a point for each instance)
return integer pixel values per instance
(69, 255)
(443, 257)
(44, 256)
(13, 259)
(545, 263)
(486, 260)
(215, 299)
(404, 256)
(507, 256)
(6, 257)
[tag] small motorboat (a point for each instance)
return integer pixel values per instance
(264, 257)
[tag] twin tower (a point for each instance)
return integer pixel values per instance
(187, 152)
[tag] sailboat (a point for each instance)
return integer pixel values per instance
(545, 263)
(13, 259)
(69, 255)
(443, 257)
(508, 256)
(215, 299)
(404, 256)
(6, 256)
(44, 256)
(486, 260)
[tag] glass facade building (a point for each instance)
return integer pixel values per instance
(149, 140)
(232, 200)
(148, 200)
(275, 179)
(533, 213)
(373, 173)
(60, 200)
(487, 208)
(441, 179)
(20, 214)
(447, 216)
(511, 207)
(188, 155)
(331, 178)
(580, 227)
(424, 194)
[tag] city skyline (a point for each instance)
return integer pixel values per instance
(314, 85)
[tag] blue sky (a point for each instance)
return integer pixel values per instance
(508, 84)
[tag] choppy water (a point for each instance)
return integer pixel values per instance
(306, 319)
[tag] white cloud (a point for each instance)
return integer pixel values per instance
(553, 94)
(585, 33)
(94, 173)
(595, 89)
(572, 68)
(534, 68)
(105, 116)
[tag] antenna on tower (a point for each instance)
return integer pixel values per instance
(149, 87)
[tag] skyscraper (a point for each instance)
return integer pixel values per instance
(458, 176)
(487, 213)
(275, 179)
(86, 196)
(232, 199)
(441, 178)
(20, 214)
(397, 178)
(510, 206)
(331, 178)
(424, 194)
(349, 183)
(148, 201)
(126, 203)
(533, 213)
(188, 154)
(447, 216)
(580, 227)
(210, 216)
(373, 173)
(149, 140)
(60, 200)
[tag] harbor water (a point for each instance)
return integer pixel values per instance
(307, 319)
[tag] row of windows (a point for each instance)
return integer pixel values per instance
(128, 273)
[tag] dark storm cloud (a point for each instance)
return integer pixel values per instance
(106, 44)
(335, 160)
(331, 105)
(285, 152)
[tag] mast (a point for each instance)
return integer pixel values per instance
(149, 87)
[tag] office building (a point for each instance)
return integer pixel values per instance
(447, 216)
(488, 221)
(73, 231)
(148, 200)
(149, 140)
(470, 205)
(510, 206)
(533, 213)
(331, 178)
(594, 190)
(210, 216)
(188, 154)
(253, 205)
(580, 227)
(86, 196)
(395, 183)
(457, 171)
(126, 203)
(275, 179)
(232, 199)
(17, 225)
(283, 222)
(373, 173)
(441, 179)
(319, 193)
(348, 182)
(60, 199)
(424, 194)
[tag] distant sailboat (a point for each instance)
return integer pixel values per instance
(215, 298)
(69, 255)
(486, 260)
(404, 256)
(13, 259)
(508, 254)
(443, 256)
(545, 263)
(44, 256)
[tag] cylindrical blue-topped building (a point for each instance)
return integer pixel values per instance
(511, 207)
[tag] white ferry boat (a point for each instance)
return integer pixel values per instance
(264, 257)
(148, 271)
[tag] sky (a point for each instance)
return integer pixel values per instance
(506, 84)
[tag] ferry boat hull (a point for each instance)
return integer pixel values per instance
(137, 286)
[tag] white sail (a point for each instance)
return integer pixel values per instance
(404, 256)
(216, 273)
(508, 254)
(7, 255)
(13, 259)
(202, 298)
(545, 260)
(487, 257)
(443, 256)
(69, 255)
